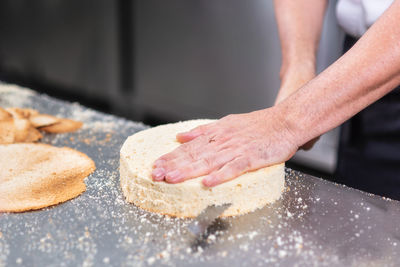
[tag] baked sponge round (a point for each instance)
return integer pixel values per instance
(247, 193)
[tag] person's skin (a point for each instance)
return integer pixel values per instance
(299, 27)
(239, 143)
(299, 33)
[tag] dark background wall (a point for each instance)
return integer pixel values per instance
(65, 48)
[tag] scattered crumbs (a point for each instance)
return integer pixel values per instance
(279, 241)
(282, 253)
(164, 255)
(244, 247)
(290, 228)
(15, 96)
(211, 238)
(252, 235)
(151, 260)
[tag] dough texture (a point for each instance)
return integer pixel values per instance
(34, 176)
(247, 193)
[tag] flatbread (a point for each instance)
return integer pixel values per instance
(41, 120)
(33, 135)
(34, 176)
(4, 115)
(18, 125)
(22, 113)
(21, 127)
(23, 131)
(7, 131)
(247, 193)
(63, 126)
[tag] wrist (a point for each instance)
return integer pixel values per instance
(292, 123)
(294, 78)
(297, 65)
(285, 126)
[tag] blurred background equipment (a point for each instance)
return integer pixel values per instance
(156, 61)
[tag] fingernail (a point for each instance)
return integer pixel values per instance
(158, 174)
(173, 176)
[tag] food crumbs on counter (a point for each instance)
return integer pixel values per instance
(282, 253)
(164, 255)
(211, 238)
(151, 260)
(79, 231)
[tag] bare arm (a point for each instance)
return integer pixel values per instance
(360, 77)
(246, 142)
(299, 27)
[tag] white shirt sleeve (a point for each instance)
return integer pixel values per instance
(356, 16)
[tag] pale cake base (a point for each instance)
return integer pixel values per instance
(250, 191)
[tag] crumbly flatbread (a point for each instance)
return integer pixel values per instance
(18, 125)
(21, 128)
(33, 135)
(7, 131)
(34, 176)
(247, 193)
(22, 113)
(41, 120)
(63, 126)
(4, 115)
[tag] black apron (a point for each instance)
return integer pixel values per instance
(369, 146)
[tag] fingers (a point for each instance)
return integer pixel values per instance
(184, 168)
(192, 134)
(196, 169)
(228, 172)
(187, 136)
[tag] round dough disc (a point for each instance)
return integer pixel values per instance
(34, 176)
(247, 193)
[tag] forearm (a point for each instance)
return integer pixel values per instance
(299, 26)
(360, 77)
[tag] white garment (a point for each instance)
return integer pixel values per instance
(356, 16)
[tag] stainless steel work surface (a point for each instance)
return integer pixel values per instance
(316, 222)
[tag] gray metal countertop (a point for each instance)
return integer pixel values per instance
(315, 223)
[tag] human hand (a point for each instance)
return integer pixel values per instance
(227, 148)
